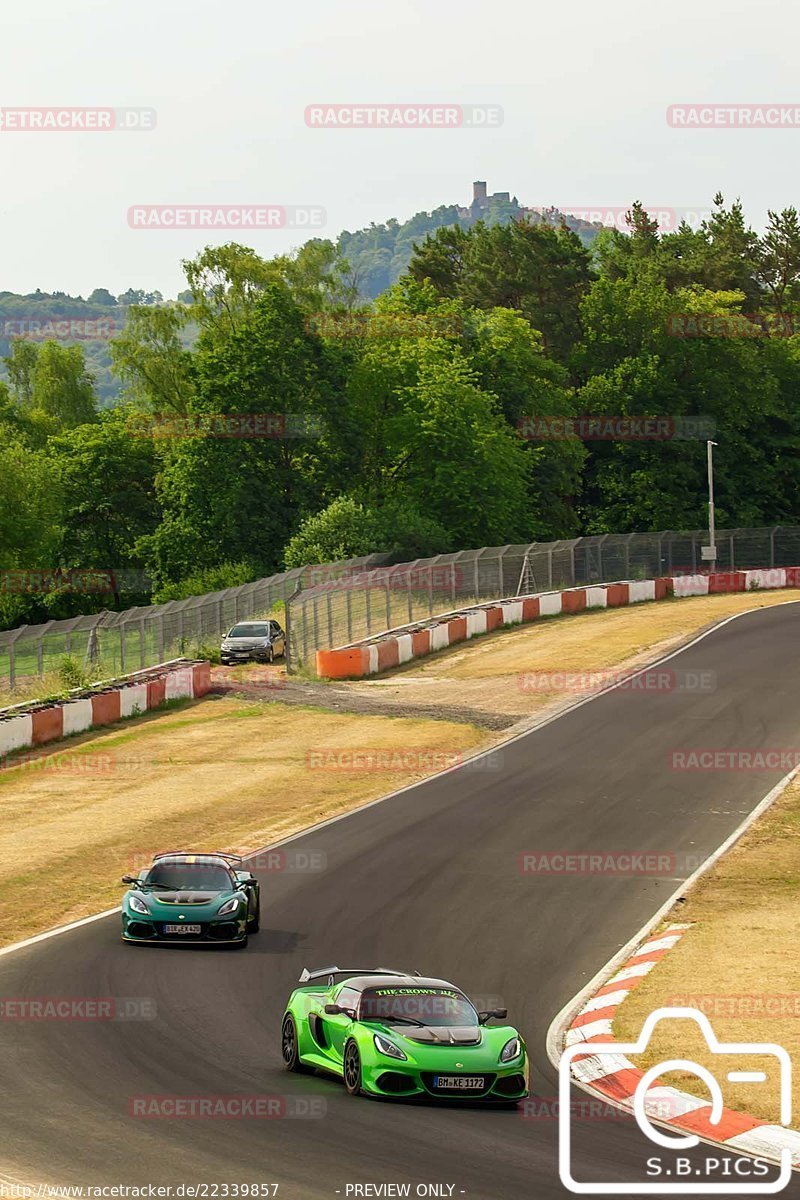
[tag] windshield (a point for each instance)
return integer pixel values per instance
(193, 877)
(428, 1006)
(250, 631)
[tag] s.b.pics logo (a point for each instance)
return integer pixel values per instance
(672, 1120)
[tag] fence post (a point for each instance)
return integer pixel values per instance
(367, 596)
(349, 601)
(122, 647)
(305, 632)
(500, 579)
(388, 604)
(550, 570)
(772, 545)
(410, 599)
(141, 643)
(12, 656)
(289, 655)
(329, 607)
(316, 623)
(733, 554)
(453, 586)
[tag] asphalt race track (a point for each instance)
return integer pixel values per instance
(428, 880)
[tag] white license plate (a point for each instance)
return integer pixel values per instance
(183, 929)
(459, 1083)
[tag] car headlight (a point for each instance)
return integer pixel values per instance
(511, 1050)
(229, 906)
(388, 1048)
(138, 905)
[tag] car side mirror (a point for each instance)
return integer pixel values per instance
(130, 879)
(499, 1013)
(333, 1010)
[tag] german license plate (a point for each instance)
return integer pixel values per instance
(459, 1083)
(170, 929)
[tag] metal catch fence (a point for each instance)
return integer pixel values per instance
(114, 643)
(363, 602)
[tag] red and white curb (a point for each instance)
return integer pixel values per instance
(29, 725)
(616, 1078)
(396, 646)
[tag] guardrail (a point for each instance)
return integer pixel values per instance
(24, 726)
(394, 647)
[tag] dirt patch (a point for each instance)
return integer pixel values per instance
(499, 679)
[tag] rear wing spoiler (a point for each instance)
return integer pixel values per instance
(231, 858)
(332, 972)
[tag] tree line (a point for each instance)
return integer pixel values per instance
(297, 424)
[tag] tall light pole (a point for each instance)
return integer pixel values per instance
(710, 551)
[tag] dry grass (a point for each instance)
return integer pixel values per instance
(738, 962)
(488, 673)
(220, 774)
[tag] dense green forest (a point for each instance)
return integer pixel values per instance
(376, 258)
(271, 418)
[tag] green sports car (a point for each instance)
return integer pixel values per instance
(188, 898)
(390, 1034)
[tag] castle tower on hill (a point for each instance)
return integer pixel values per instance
(481, 199)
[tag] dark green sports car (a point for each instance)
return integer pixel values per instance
(390, 1034)
(185, 897)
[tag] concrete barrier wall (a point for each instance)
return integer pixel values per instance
(36, 724)
(407, 642)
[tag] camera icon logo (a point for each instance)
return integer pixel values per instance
(610, 1057)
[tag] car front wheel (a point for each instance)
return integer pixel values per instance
(289, 1047)
(254, 922)
(352, 1069)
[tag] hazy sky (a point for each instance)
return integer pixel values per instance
(584, 88)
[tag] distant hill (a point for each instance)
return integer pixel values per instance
(72, 320)
(379, 255)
